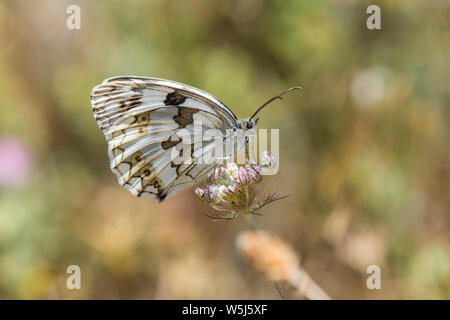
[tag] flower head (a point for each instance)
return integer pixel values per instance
(233, 188)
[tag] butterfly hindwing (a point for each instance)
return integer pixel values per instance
(142, 151)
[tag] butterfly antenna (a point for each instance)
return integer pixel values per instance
(275, 98)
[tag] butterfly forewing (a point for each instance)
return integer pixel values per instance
(139, 117)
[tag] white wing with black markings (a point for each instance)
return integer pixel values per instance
(139, 117)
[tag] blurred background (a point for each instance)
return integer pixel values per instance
(364, 148)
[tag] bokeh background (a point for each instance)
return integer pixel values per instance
(364, 147)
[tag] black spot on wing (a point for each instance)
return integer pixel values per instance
(161, 197)
(170, 143)
(174, 99)
(185, 116)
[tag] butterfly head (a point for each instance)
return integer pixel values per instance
(248, 125)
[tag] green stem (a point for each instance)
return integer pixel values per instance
(249, 218)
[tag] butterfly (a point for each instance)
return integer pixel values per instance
(139, 117)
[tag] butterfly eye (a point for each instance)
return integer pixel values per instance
(249, 125)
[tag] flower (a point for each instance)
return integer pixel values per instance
(267, 160)
(233, 188)
(15, 162)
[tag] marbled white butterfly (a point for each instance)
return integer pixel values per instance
(142, 119)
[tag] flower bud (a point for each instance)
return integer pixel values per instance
(232, 167)
(243, 176)
(233, 188)
(219, 172)
(250, 162)
(254, 175)
(267, 160)
(210, 176)
(200, 192)
(207, 195)
(252, 165)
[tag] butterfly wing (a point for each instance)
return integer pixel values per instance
(139, 116)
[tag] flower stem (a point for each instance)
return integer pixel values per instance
(280, 290)
(248, 217)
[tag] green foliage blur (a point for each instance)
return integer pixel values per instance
(364, 149)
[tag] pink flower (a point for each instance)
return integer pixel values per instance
(243, 177)
(232, 189)
(199, 192)
(15, 162)
(267, 160)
